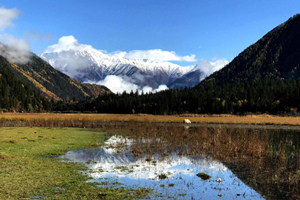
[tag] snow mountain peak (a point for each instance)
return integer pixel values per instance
(137, 69)
(93, 66)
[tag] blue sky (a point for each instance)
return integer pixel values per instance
(208, 29)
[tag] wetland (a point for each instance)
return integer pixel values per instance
(197, 162)
(150, 160)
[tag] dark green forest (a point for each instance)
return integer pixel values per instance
(264, 96)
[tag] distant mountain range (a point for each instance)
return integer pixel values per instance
(275, 56)
(91, 65)
(46, 80)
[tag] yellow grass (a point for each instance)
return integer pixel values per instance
(210, 119)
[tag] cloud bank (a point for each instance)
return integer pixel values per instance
(153, 54)
(67, 43)
(118, 84)
(6, 17)
(208, 67)
(18, 50)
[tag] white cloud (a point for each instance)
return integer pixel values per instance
(66, 62)
(14, 42)
(6, 17)
(160, 88)
(118, 84)
(67, 43)
(18, 50)
(209, 67)
(153, 54)
(148, 89)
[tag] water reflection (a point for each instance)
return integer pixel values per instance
(170, 175)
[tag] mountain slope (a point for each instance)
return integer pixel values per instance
(91, 65)
(50, 82)
(276, 55)
(17, 96)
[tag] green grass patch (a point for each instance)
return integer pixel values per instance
(29, 167)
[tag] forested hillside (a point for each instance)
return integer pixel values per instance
(17, 96)
(276, 55)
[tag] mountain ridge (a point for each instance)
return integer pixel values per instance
(90, 65)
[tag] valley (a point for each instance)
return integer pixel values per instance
(159, 112)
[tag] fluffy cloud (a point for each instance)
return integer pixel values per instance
(148, 89)
(67, 43)
(209, 67)
(118, 84)
(17, 51)
(66, 62)
(6, 17)
(153, 54)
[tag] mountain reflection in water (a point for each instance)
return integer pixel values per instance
(170, 176)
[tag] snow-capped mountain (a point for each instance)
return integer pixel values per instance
(87, 64)
(90, 65)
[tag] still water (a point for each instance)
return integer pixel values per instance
(236, 163)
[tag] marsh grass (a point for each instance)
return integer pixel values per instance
(29, 167)
(267, 160)
(90, 120)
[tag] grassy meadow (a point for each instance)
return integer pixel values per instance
(29, 166)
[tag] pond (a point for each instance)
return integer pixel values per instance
(197, 162)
